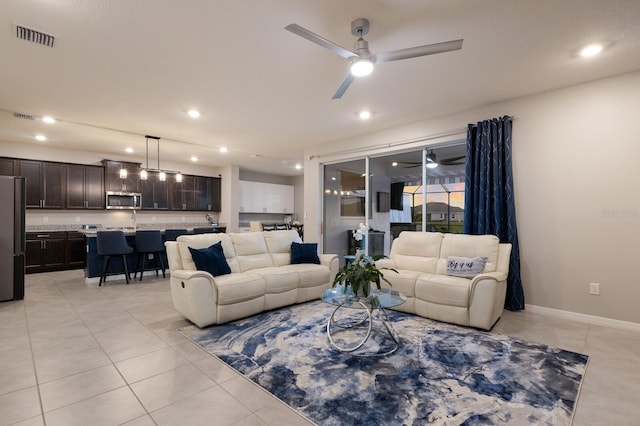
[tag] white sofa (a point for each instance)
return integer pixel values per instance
(421, 261)
(262, 276)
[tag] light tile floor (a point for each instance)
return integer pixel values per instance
(77, 354)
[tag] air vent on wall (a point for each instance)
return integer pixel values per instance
(23, 116)
(34, 36)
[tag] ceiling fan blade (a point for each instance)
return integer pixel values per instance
(413, 52)
(453, 161)
(344, 86)
(319, 40)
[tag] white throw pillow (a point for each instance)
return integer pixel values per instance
(465, 267)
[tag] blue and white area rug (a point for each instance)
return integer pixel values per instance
(441, 374)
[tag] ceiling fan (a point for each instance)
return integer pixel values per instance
(361, 60)
(432, 162)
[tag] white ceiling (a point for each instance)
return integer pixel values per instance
(130, 68)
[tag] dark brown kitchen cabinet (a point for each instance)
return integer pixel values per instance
(216, 194)
(85, 187)
(45, 251)
(195, 193)
(55, 251)
(8, 167)
(182, 195)
(44, 184)
(155, 193)
(75, 250)
(208, 189)
(113, 181)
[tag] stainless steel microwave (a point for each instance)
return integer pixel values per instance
(124, 200)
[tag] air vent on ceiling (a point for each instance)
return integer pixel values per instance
(34, 36)
(23, 116)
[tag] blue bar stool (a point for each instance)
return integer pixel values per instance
(113, 243)
(149, 242)
(172, 234)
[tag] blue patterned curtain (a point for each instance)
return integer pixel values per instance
(489, 206)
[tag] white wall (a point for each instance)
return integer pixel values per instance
(575, 160)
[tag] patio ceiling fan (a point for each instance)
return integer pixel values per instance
(361, 59)
(432, 161)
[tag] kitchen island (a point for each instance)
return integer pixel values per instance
(93, 269)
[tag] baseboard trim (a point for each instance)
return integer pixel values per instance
(590, 319)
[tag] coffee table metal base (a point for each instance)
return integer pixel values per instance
(366, 321)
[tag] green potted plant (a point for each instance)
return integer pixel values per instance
(359, 274)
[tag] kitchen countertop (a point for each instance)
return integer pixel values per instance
(128, 230)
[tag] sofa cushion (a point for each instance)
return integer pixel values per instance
(201, 241)
(417, 251)
(404, 281)
(304, 253)
(234, 288)
(469, 246)
(443, 290)
(465, 267)
(251, 251)
(310, 275)
(211, 259)
(279, 245)
(277, 279)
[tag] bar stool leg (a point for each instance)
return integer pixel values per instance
(126, 268)
(105, 265)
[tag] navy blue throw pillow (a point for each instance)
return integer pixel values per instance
(304, 253)
(211, 260)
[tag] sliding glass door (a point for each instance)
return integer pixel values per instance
(417, 190)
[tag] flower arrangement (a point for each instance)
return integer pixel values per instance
(359, 233)
(359, 274)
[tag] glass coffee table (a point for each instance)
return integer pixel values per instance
(365, 311)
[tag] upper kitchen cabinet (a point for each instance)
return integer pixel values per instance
(8, 167)
(195, 193)
(183, 195)
(260, 197)
(114, 181)
(155, 193)
(215, 190)
(85, 187)
(44, 184)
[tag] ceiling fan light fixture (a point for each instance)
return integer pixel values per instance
(361, 67)
(432, 165)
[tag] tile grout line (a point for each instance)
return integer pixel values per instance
(33, 361)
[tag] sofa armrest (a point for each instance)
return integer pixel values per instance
(330, 261)
(487, 293)
(195, 295)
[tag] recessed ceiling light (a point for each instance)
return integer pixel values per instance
(193, 113)
(333, 178)
(48, 120)
(591, 50)
(394, 164)
(364, 115)
(194, 158)
(298, 166)
(41, 138)
(129, 150)
(223, 149)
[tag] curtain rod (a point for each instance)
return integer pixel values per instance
(453, 132)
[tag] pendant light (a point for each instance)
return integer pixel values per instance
(162, 174)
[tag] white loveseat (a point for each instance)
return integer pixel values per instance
(262, 276)
(421, 261)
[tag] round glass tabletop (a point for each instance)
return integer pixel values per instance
(383, 298)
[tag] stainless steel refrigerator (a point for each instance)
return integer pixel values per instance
(12, 237)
